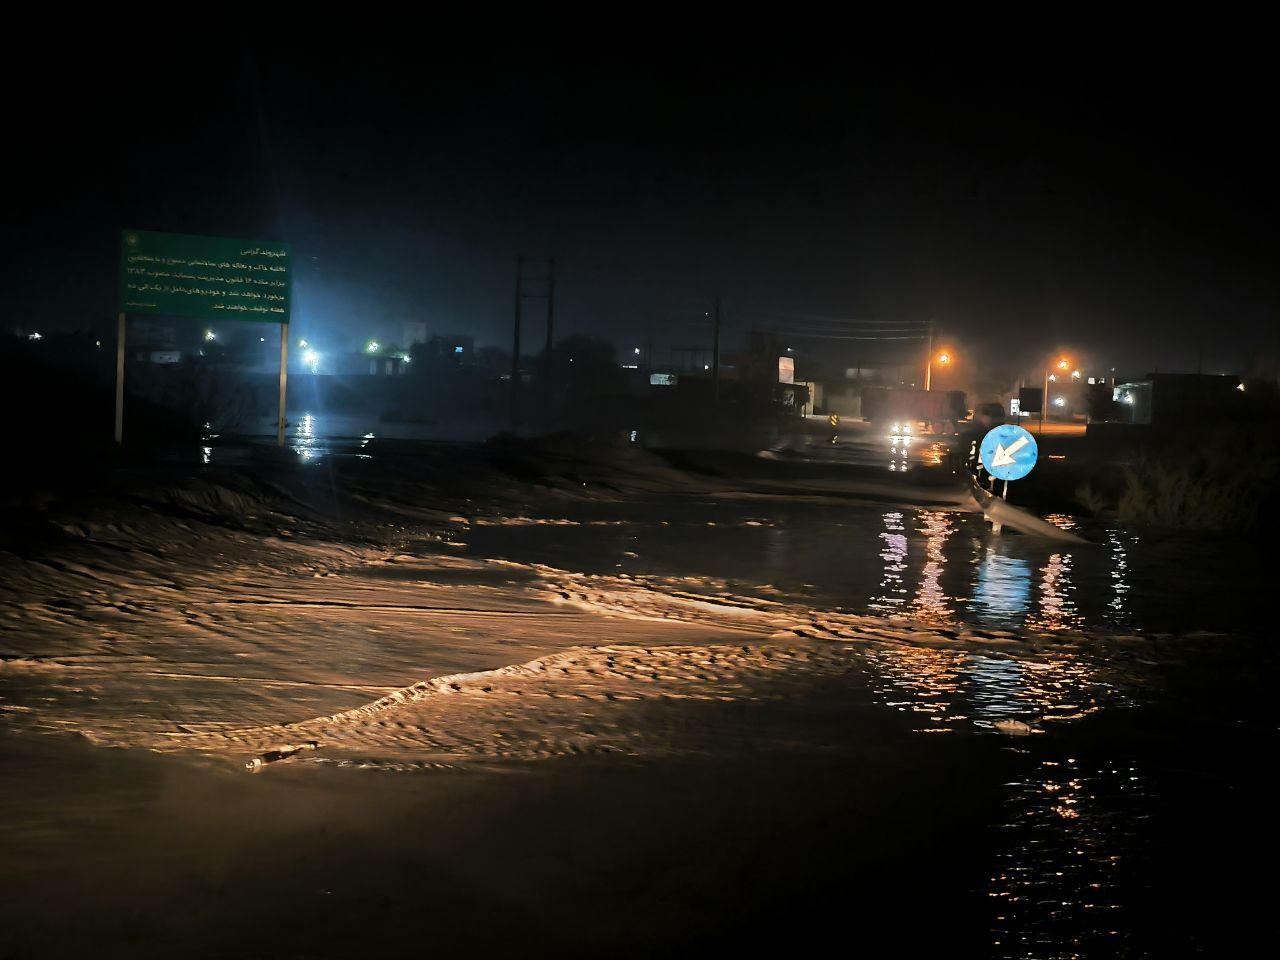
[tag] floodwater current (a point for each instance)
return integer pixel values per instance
(1132, 756)
(1055, 752)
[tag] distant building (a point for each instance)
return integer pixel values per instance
(150, 342)
(1165, 399)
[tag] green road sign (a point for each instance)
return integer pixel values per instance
(210, 278)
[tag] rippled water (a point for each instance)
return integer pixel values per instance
(1083, 815)
(924, 565)
(1071, 856)
(1063, 874)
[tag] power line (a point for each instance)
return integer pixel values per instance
(843, 336)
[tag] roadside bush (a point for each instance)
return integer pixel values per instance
(1224, 481)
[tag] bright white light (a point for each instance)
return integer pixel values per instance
(1240, 387)
(262, 339)
(634, 434)
(34, 336)
(637, 351)
(1128, 398)
(97, 343)
(373, 346)
(302, 343)
(210, 335)
(312, 359)
(706, 366)
(1053, 378)
(1059, 401)
(1075, 374)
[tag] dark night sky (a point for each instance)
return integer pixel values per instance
(1113, 201)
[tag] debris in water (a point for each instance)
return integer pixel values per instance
(279, 753)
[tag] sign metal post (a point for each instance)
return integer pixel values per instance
(205, 278)
(1008, 452)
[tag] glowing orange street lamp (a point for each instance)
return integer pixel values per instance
(1064, 363)
(943, 359)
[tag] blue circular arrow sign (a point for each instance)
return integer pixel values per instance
(1008, 452)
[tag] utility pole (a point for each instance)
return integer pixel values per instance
(515, 347)
(715, 354)
(928, 361)
(1044, 400)
(547, 368)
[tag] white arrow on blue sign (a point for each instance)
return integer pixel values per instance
(1008, 452)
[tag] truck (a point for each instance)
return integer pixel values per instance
(910, 410)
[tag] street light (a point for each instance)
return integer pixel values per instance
(943, 359)
(1063, 364)
(372, 347)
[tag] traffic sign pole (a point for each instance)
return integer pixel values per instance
(1008, 452)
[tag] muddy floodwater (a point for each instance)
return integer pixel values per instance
(675, 723)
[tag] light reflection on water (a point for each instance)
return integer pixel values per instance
(1002, 590)
(1068, 829)
(1006, 591)
(312, 438)
(1056, 609)
(1071, 829)
(1119, 578)
(947, 685)
(893, 593)
(304, 438)
(931, 604)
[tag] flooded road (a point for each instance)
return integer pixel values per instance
(713, 721)
(929, 566)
